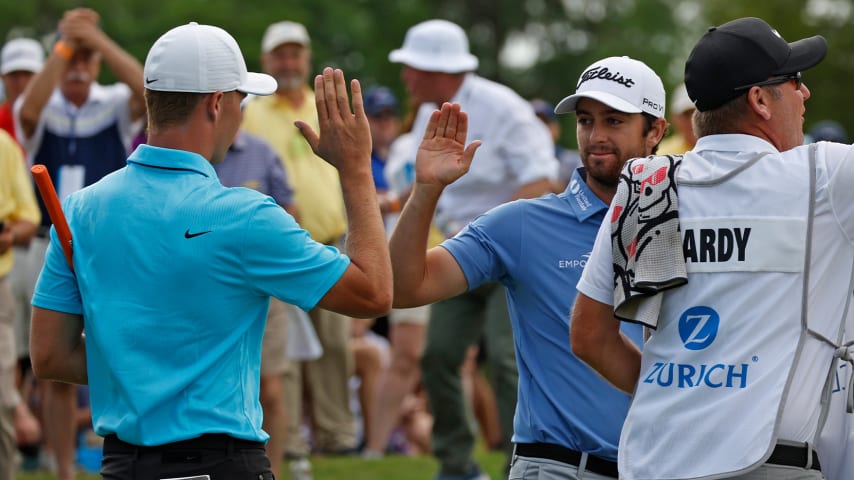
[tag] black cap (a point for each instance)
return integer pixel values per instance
(742, 52)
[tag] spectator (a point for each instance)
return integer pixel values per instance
(569, 160)
(216, 256)
(19, 215)
(681, 112)
(370, 359)
(400, 394)
(286, 55)
(251, 163)
(745, 333)
(382, 110)
(519, 163)
(20, 60)
(80, 130)
(828, 131)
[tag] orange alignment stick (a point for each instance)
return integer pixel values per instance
(54, 209)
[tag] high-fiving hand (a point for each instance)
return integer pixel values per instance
(344, 139)
(443, 156)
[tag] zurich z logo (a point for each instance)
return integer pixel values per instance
(698, 327)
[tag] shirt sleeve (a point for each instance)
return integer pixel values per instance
(597, 279)
(529, 150)
(281, 260)
(30, 144)
(57, 288)
(486, 248)
(839, 161)
(120, 94)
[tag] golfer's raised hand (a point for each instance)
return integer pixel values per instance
(79, 27)
(344, 139)
(443, 156)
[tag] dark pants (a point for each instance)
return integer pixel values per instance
(219, 456)
(455, 324)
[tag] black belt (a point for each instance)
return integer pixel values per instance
(793, 456)
(567, 455)
(209, 441)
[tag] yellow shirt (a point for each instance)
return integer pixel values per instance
(317, 188)
(673, 145)
(17, 199)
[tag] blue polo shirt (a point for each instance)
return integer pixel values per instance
(537, 249)
(173, 277)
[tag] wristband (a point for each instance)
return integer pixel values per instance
(63, 50)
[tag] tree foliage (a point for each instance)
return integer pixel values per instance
(562, 36)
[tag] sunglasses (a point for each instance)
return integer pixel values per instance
(799, 81)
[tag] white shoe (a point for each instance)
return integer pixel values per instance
(300, 469)
(371, 455)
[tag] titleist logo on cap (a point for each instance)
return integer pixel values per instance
(603, 73)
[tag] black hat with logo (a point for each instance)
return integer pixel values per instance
(740, 53)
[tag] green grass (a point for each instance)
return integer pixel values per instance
(354, 468)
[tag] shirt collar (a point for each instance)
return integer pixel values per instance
(734, 142)
(159, 157)
(581, 199)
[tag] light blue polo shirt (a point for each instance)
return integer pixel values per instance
(173, 277)
(537, 249)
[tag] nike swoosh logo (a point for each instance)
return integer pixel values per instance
(187, 234)
(148, 80)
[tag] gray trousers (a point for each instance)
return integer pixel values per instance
(780, 472)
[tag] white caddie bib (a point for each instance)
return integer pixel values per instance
(715, 375)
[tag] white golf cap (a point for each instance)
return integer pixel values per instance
(623, 84)
(435, 46)
(284, 32)
(197, 58)
(21, 54)
(681, 103)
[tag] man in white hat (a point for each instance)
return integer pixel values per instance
(172, 271)
(20, 59)
(286, 56)
(516, 161)
(80, 130)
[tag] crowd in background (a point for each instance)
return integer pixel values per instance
(330, 384)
